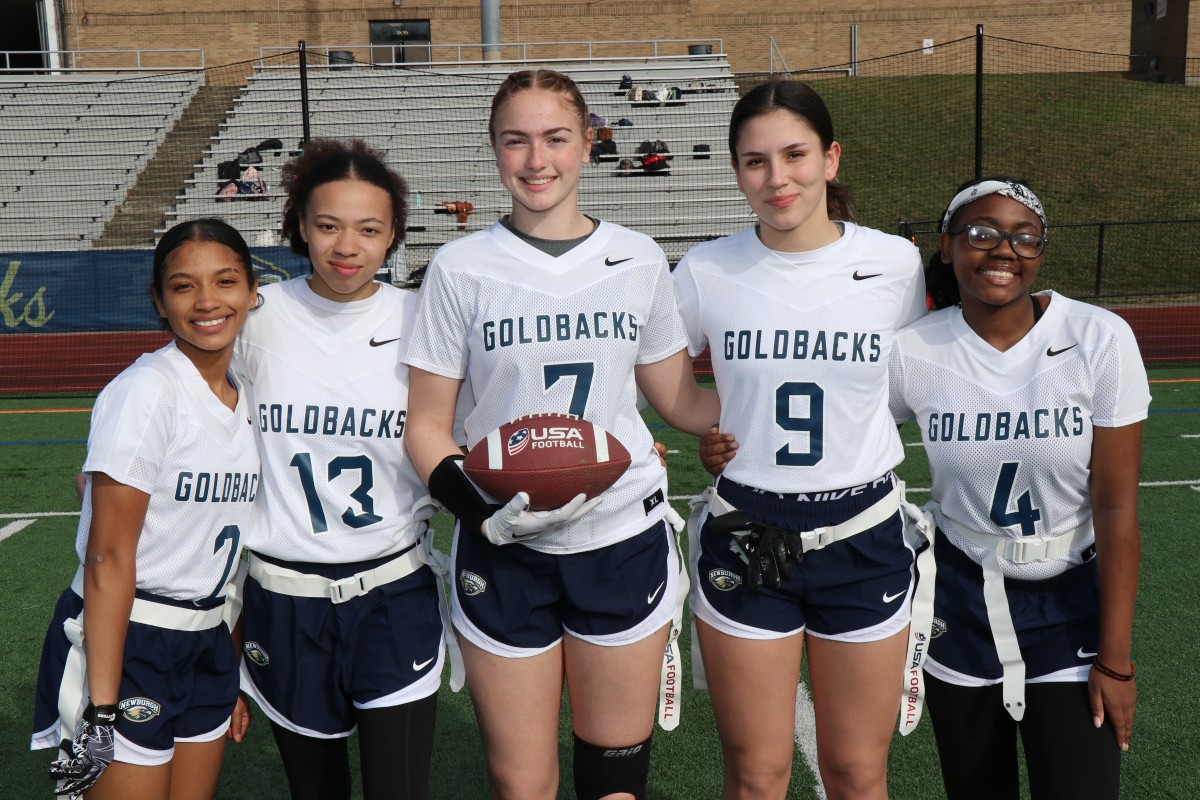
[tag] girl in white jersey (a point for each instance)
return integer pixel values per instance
(800, 544)
(138, 666)
(589, 591)
(1031, 409)
(341, 622)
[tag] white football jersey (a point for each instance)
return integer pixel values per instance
(159, 428)
(329, 398)
(536, 334)
(800, 345)
(1009, 435)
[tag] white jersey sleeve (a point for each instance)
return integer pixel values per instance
(1009, 434)
(329, 398)
(800, 344)
(535, 333)
(159, 428)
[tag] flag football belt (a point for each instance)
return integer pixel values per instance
(282, 580)
(1026, 550)
(671, 677)
(817, 538)
(165, 614)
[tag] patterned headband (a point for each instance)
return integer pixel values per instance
(1019, 192)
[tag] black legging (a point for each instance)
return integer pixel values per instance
(1065, 754)
(395, 746)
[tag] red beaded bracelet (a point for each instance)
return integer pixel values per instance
(1112, 673)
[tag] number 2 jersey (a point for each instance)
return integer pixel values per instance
(1009, 434)
(535, 333)
(329, 397)
(800, 345)
(159, 428)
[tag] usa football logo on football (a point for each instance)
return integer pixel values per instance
(517, 442)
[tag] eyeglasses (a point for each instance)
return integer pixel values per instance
(985, 237)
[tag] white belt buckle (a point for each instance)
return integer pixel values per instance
(1025, 551)
(816, 538)
(347, 589)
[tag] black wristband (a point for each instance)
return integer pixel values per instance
(451, 487)
(100, 715)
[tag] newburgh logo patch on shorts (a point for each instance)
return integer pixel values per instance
(472, 584)
(139, 709)
(724, 579)
(256, 653)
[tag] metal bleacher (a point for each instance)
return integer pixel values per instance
(72, 145)
(432, 126)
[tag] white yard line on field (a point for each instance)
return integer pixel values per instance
(15, 527)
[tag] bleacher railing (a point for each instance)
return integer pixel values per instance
(66, 62)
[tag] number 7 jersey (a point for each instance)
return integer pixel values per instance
(328, 399)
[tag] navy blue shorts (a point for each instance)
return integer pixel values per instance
(310, 662)
(175, 685)
(1057, 621)
(514, 601)
(856, 589)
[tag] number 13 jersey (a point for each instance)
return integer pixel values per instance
(329, 398)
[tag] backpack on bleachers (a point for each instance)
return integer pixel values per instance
(645, 147)
(607, 150)
(595, 120)
(700, 151)
(626, 82)
(249, 156)
(655, 162)
(604, 133)
(661, 147)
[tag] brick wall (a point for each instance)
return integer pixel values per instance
(813, 33)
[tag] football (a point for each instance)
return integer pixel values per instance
(550, 457)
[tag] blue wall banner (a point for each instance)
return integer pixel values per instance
(99, 290)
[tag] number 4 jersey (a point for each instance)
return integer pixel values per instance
(1009, 434)
(800, 345)
(328, 399)
(159, 428)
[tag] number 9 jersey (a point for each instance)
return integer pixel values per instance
(800, 345)
(329, 399)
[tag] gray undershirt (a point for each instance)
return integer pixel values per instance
(551, 247)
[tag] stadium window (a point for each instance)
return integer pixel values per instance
(400, 41)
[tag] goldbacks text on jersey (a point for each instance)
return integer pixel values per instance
(800, 345)
(329, 400)
(1009, 434)
(159, 428)
(535, 334)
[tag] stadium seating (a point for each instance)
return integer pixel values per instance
(71, 146)
(432, 125)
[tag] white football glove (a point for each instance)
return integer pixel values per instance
(514, 522)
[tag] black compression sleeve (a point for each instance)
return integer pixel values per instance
(451, 487)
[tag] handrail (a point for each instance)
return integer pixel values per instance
(523, 48)
(67, 59)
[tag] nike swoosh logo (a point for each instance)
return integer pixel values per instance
(381, 343)
(1080, 652)
(858, 277)
(887, 598)
(608, 262)
(418, 667)
(650, 597)
(1050, 351)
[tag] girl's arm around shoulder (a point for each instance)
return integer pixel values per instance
(1116, 463)
(109, 579)
(670, 386)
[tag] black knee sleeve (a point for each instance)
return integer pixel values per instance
(601, 771)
